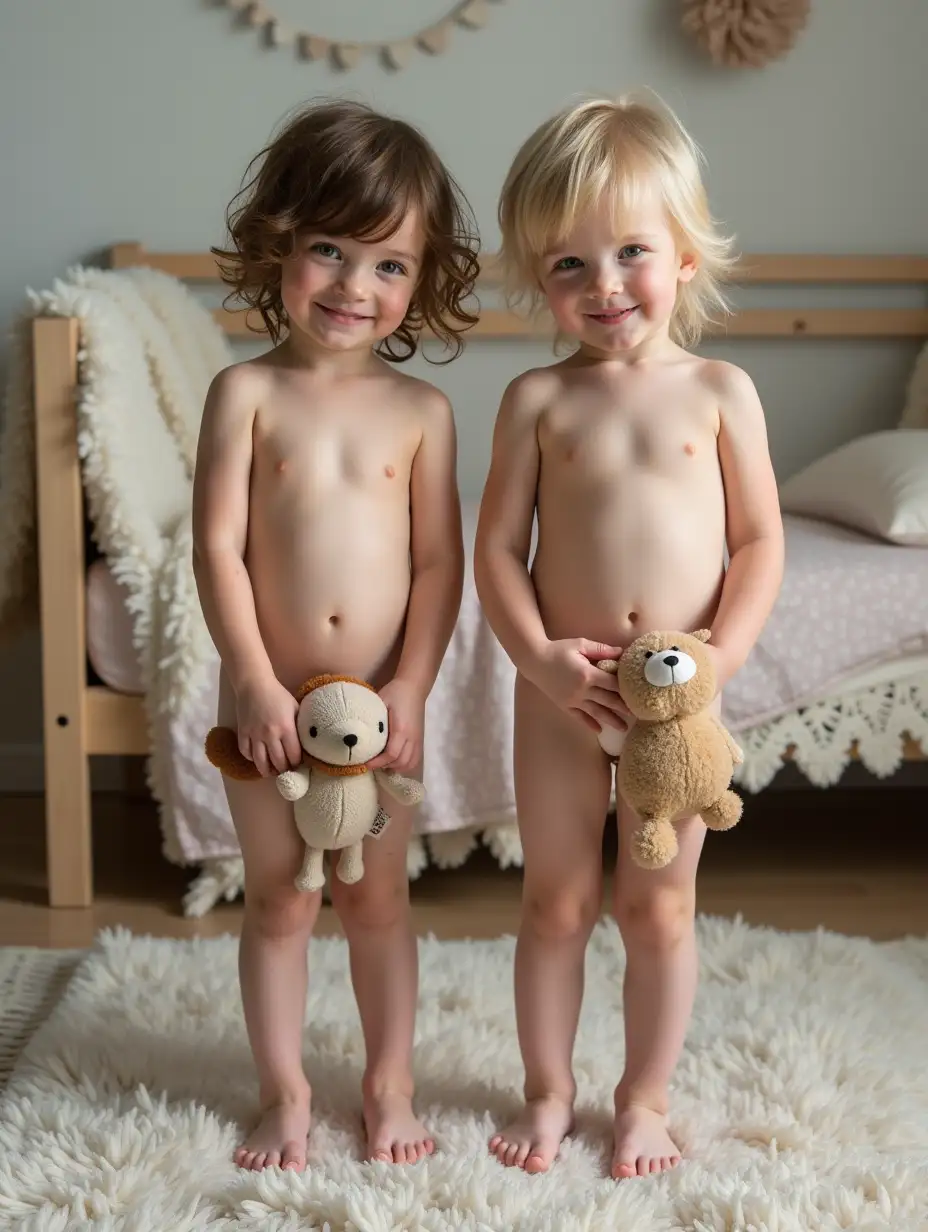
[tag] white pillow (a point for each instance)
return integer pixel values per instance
(877, 484)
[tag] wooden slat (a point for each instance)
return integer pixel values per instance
(811, 269)
(194, 266)
(820, 269)
(827, 323)
(116, 722)
(61, 589)
(751, 323)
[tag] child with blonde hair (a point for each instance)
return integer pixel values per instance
(642, 461)
(327, 535)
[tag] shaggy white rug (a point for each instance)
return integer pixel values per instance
(801, 1100)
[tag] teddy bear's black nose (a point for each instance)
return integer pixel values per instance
(671, 660)
(350, 740)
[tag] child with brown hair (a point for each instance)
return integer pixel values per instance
(328, 538)
(643, 461)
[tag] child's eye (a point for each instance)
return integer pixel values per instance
(568, 263)
(630, 251)
(326, 250)
(392, 267)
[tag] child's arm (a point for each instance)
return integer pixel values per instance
(754, 529)
(266, 710)
(563, 670)
(437, 582)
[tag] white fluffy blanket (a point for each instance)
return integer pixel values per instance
(148, 352)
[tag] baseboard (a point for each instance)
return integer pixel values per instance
(22, 772)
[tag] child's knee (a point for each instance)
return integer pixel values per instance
(278, 912)
(658, 918)
(562, 912)
(374, 902)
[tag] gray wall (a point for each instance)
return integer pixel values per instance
(128, 120)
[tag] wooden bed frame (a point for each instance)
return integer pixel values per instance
(81, 720)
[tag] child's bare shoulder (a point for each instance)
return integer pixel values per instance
(530, 393)
(238, 389)
(729, 383)
(420, 396)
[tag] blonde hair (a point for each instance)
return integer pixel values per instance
(611, 150)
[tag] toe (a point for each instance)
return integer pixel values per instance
(430, 1146)
(272, 1160)
(522, 1154)
(293, 1157)
(494, 1143)
(382, 1157)
(257, 1162)
(536, 1162)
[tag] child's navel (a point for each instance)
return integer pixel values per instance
(632, 618)
(389, 471)
(689, 448)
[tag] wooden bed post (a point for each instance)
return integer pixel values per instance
(60, 506)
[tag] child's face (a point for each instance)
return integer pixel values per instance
(614, 286)
(345, 293)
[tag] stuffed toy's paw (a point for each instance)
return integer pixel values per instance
(222, 751)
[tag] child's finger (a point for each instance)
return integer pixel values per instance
(259, 757)
(293, 748)
(598, 650)
(277, 756)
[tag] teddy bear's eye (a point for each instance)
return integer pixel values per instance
(380, 726)
(676, 648)
(648, 654)
(313, 733)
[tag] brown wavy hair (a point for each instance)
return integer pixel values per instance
(340, 168)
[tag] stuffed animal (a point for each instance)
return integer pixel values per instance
(677, 759)
(342, 725)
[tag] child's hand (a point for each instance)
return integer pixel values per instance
(406, 708)
(266, 719)
(568, 675)
(722, 666)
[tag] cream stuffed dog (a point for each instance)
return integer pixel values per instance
(342, 725)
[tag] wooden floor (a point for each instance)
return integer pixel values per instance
(851, 860)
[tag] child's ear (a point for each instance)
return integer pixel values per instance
(688, 266)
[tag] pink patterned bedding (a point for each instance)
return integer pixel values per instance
(848, 603)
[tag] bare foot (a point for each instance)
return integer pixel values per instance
(532, 1140)
(394, 1134)
(642, 1143)
(279, 1138)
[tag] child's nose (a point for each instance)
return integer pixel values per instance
(607, 279)
(351, 281)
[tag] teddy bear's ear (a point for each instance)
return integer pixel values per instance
(702, 635)
(609, 665)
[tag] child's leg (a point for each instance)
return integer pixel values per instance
(382, 946)
(655, 910)
(272, 968)
(562, 782)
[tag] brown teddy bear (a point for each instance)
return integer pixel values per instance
(677, 759)
(342, 725)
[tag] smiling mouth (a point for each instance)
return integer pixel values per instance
(341, 317)
(611, 318)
